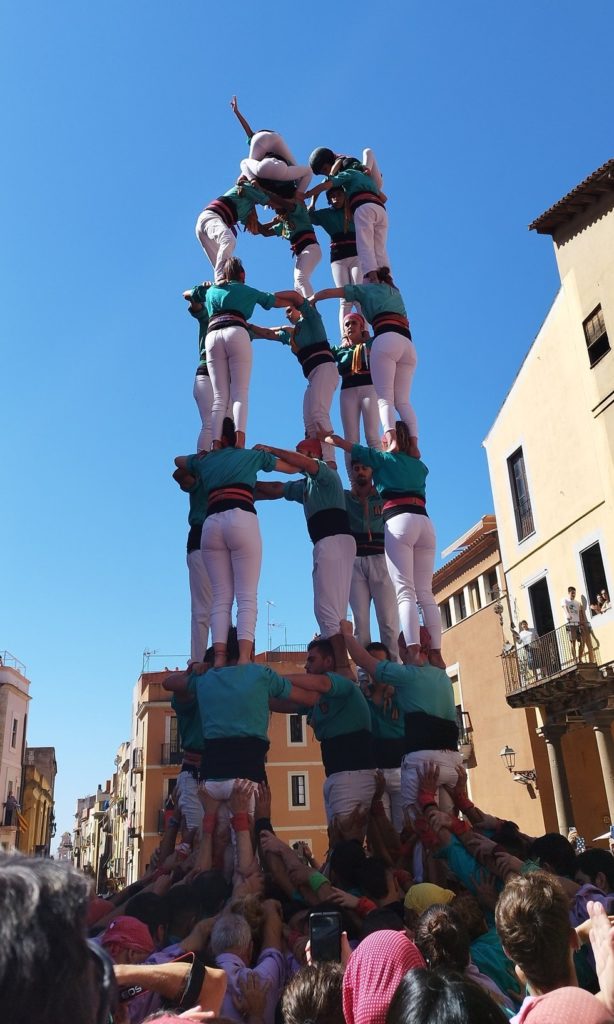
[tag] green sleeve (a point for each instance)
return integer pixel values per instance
(191, 464)
(353, 292)
(318, 217)
(266, 299)
(391, 674)
(367, 456)
(279, 686)
(294, 490)
(268, 462)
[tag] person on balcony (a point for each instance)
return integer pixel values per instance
(572, 614)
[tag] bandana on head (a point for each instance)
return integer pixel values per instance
(373, 974)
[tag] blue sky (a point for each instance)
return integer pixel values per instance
(117, 133)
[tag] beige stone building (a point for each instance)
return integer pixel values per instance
(14, 701)
(37, 803)
(551, 463)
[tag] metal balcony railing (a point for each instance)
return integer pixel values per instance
(551, 655)
(171, 753)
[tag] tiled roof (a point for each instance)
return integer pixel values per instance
(583, 195)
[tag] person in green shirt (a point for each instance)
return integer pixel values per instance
(321, 495)
(295, 225)
(201, 596)
(358, 396)
(203, 391)
(393, 355)
(338, 223)
(229, 350)
(192, 742)
(409, 535)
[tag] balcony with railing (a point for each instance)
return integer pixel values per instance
(137, 759)
(171, 753)
(558, 666)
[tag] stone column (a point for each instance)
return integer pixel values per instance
(601, 722)
(553, 734)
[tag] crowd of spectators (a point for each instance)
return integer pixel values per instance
(504, 926)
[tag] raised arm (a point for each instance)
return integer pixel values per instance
(293, 459)
(356, 651)
(177, 682)
(247, 128)
(264, 332)
(336, 440)
(314, 192)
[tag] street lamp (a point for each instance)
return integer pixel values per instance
(524, 776)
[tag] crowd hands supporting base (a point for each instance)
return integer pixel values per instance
(500, 926)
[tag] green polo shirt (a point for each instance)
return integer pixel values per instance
(364, 517)
(234, 701)
(316, 493)
(234, 296)
(425, 688)
(295, 222)
(198, 503)
(245, 197)
(393, 472)
(188, 718)
(333, 221)
(387, 722)
(341, 710)
(375, 298)
(352, 180)
(310, 329)
(230, 466)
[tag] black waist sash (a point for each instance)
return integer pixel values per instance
(428, 732)
(383, 323)
(221, 499)
(201, 370)
(355, 380)
(360, 198)
(369, 544)
(313, 355)
(194, 536)
(226, 318)
(237, 757)
(301, 239)
(225, 209)
(352, 752)
(342, 245)
(327, 523)
(389, 751)
(395, 504)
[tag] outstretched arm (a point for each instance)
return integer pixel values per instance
(264, 332)
(314, 192)
(268, 492)
(328, 293)
(289, 298)
(339, 442)
(288, 458)
(311, 683)
(177, 682)
(356, 651)
(234, 106)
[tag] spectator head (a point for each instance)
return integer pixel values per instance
(250, 907)
(424, 895)
(373, 974)
(231, 934)
(320, 657)
(435, 997)
(47, 973)
(127, 940)
(152, 910)
(532, 919)
(471, 914)
(374, 878)
(597, 867)
(210, 890)
(523, 624)
(442, 938)
(314, 994)
(553, 852)
(346, 862)
(509, 836)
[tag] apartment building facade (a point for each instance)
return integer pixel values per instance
(551, 463)
(14, 702)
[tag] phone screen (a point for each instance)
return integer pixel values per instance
(325, 936)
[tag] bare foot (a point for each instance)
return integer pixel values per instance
(436, 659)
(414, 451)
(415, 656)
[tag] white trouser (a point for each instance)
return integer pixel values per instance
(203, 396)
(217, 239)
(393, 364)
(447, 760)
(392, 800)
(260, 165)
(304, 265)
(371, 582)
(221, 789)
(371, 223)
(333, 559)
(354, 403)
(201, 599)
(409, 540)
(343, 791)
(232, 547)
(186, 795)
(346, 271)
(321, 386)
(229, 360)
